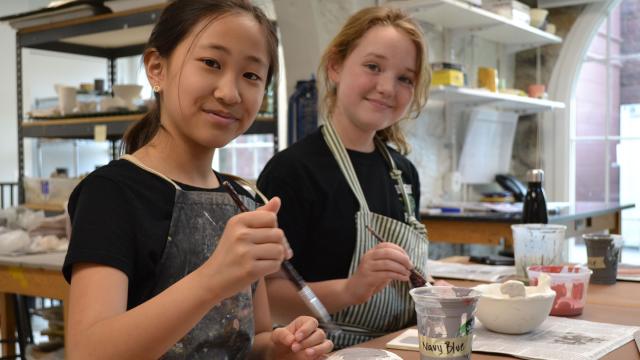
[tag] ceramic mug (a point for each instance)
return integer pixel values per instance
(66, 99)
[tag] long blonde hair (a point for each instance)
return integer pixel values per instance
(347, 39)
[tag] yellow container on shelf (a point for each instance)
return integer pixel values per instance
(447, 77)
(488, 78)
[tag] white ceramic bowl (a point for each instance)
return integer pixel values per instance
(127, 92)
(514, 315)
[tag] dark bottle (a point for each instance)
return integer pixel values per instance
(534, 209)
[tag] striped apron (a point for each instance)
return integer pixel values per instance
(391, 308)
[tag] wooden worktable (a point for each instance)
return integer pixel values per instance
(34, 275)
(614, 304)
(495, 228)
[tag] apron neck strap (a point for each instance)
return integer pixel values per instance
(396, 174)
(342, 157)
(139, 164)
(248, 185)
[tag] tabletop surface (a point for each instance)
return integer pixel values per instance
(44, 261)
(615, 304)
(574, 211)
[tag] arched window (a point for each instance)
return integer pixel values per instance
(590, 148)
(605, 136)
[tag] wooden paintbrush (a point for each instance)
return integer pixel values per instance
(305, 292)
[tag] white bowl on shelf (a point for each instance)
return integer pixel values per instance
(128, 93)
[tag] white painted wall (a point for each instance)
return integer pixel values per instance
(41, 70)
(8, 112)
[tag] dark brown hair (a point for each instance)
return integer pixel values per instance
(176, 22)
(348, 38)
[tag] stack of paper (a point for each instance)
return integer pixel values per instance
(476, 272)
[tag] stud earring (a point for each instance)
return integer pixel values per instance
(156, 88)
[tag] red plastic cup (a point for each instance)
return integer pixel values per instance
(570, 284)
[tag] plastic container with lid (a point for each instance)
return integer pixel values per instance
(570, 284)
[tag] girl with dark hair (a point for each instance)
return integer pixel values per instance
(161, 264)
(344, 179)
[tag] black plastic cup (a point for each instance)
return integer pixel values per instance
(603, 255)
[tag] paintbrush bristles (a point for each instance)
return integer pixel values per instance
(415, 278)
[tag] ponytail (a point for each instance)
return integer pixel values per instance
(141, 132)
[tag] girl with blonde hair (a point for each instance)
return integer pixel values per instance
(343, 179)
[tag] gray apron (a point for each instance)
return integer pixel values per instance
(197, 222)
(391, 308)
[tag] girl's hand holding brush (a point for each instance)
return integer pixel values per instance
(251, 247)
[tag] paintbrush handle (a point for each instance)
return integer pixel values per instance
(305, 292)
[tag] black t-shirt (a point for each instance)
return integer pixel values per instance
(120, 216)
(318, 207)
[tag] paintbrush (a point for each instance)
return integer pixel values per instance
(415, 278)
(305, 292)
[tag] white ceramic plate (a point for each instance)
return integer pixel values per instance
(363, 354)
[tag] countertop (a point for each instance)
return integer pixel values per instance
(579, 210)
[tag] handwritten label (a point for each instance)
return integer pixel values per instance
(445, 347)
(596, 263)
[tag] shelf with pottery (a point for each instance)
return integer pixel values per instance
(109, 127)
(523, 105)
(108, 35)
(461, 16)
(53, 208)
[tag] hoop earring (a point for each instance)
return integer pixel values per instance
(156, 88)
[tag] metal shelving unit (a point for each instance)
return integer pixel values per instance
(85, 128)
(109, 36)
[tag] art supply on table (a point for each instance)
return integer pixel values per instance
(305, 292)
(415, 278)
(501, 305)
(445, 321)
(603, 256)
(557, 338)
(538, 244)
(570, 284)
